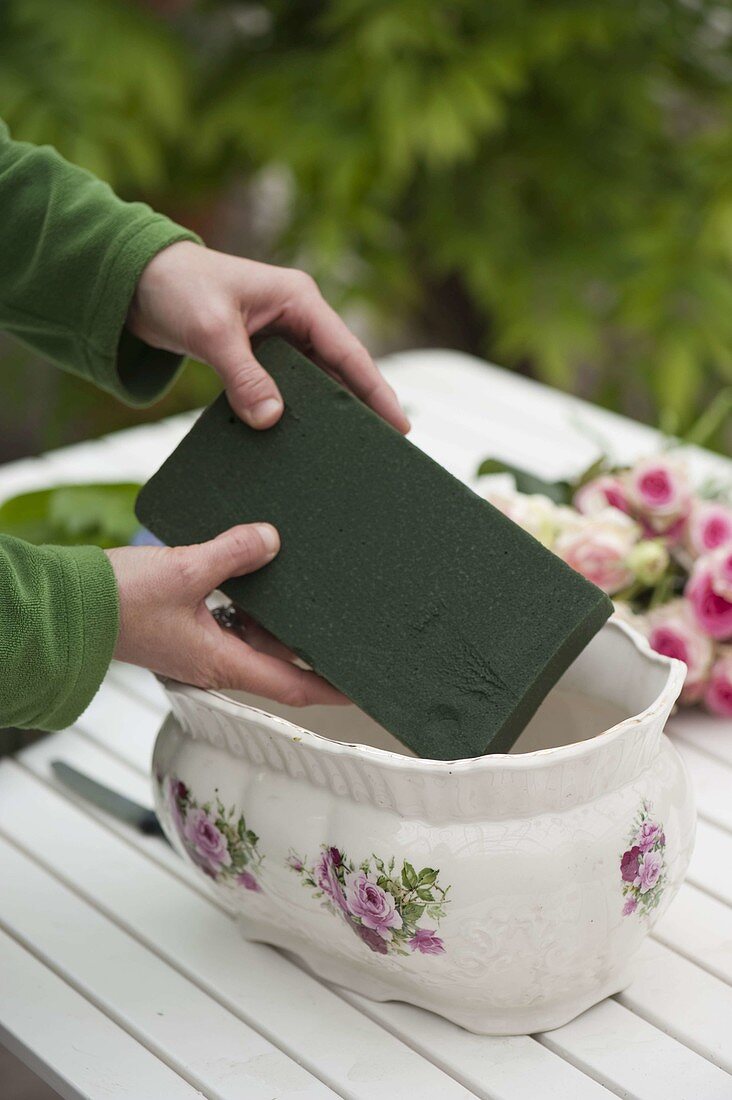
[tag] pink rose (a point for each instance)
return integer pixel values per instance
(648, 834)
(709, 527)
(606, 491)
(248, 881)
(630, 907)
(705, 590)
(374, 906)
(659, 492)
(629, 864)
(718, 696)
(425, 940)
(209, 846)
(649, 871)
(327, 877)
(673, 630)
(600, 551)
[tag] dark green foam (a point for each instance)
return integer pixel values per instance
(438, 616)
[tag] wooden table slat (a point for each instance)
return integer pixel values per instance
(188, 1030)
(282, 1002)
(68, 1042)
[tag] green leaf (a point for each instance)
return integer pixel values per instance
(412, 912)
(427, 876)
(73, 515)
(409, 876)
(558, 491)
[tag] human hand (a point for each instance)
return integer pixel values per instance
(165, 625)
(194, 301)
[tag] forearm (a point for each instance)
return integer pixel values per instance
(59, 619)
(74, 253)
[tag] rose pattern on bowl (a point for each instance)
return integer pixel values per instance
(642, 864)
(216, 838)
(383, 907)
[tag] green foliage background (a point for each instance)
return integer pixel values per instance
(547, 183)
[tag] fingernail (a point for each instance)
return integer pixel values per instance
(269, 537)
(264, 414)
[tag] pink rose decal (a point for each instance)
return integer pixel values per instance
(659, 493)
(718, 694)
(248, 881)
(629, 864)
(327, 877)
(216, 838)
(642, 865)
(425, 941)
(709, 527)
(381, 905)
(208, 844)
(374, 906)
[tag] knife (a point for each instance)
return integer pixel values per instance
(112, 802)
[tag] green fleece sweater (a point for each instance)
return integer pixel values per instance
(72, 253)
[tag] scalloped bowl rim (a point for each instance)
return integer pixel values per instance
(283, 727)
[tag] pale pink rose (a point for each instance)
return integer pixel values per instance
(207, 843)
(720, 563)
(712, 611)
(599, 550)
(649, 871)
(602, 492)
(367, 900)
(709, 527)
(659, 493)
(718, 695)
(673, 630)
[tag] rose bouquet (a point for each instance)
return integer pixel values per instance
(382, 905)
(660, 547)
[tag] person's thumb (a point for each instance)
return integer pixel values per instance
(252, 393)
(233, 553)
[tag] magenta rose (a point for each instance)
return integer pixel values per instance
(208, 844)
(649, 870)
(629, 864)
(630, 907)
(327, 878)
(672, 629)
(248, 881)
(371, 938)
(718, 695)
(648, 834)
(709, 527)
(374, 906)
(659, 493)
(705, 591)
(425, 940)
(606, 491)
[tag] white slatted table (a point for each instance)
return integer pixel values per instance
(120, 976)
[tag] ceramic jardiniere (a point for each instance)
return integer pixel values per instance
(507, 893)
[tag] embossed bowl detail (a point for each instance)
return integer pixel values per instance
(507, 893)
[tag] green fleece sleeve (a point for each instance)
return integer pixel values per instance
(59, 615)
(72, 255)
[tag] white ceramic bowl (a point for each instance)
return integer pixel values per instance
(507, 893)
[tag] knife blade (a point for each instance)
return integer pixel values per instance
(112, 802)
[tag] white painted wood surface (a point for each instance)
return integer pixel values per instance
(121, 976)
